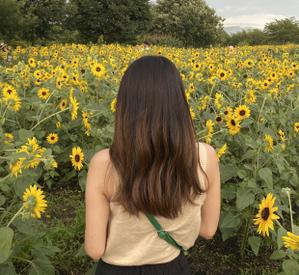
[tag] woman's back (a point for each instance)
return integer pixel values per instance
(134, 241)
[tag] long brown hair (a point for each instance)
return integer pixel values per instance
(154, 147)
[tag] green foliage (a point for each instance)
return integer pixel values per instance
(118, 21)
(252, 37)
(283, 31)
(193, 22)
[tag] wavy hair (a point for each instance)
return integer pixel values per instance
(154, 146)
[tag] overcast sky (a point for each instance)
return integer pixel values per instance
(254, 13)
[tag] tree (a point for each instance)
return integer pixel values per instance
(117, 20)
(283, 31)
(50, 17)
(191, 21)
(11, 19)
(251, 37)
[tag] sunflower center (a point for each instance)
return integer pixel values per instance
(222, 74)
(9, 91)
(233, 122)
(77, 158)
(31, 202)
(265, 213)
(242, 112)
(98, 69)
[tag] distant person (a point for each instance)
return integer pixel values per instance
(152, 167)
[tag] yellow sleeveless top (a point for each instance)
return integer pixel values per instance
(134, 241)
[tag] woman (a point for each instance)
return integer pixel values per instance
(154, 166)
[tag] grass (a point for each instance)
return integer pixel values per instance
(65, 219)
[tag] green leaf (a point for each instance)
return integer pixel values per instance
(254, 243)
(227, 172)
(6, 236)
(244, 198)
(251, 183)
(296, 229)
(278, 254)
(280, 232)
(290, 267)
(242, 173)
(25, 134)
(82, 180)
(229, 224)
(266, 175)
(2, 200)
(41, 265)
(30, 227)
(250, 154)
(8, 268)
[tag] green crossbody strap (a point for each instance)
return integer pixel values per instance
(164, 234)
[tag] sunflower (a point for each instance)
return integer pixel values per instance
(218, 100)
(113, 104)
(34, 201)
(192, 113)
(242, 112)
(196, 66)
(291, 241)
(8, 90)
(74, 107)
(13, 100)
(222, 74)
(221, 151)
(265, 84)
(77, 158)
(8, 138)
(203, 102)
(43, 93)
(248, 63)
(31, 62)
(281, 134)
(250, 97)
(265, 216)
(16, 168)
(296, 127)
(58, 124)
(233, 124)
(269, 143)
(98, 69)
(52, 138)
(228, 112)
(210, 129)
(63, 104)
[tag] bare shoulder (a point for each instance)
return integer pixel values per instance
(102, 155)
(212, 162)
(210, 150)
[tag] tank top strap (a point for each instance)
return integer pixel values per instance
(203, 158)
(203, 155)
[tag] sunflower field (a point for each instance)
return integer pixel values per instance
(57, 109)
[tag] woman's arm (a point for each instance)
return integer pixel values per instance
(210, 212)
(97, 206)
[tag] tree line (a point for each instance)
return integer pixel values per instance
(184, 23)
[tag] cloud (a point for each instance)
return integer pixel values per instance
(253, 20)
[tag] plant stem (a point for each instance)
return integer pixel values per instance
(245, 236)
(291, 211)
(15, 215)
(7, 176)
(49, 117)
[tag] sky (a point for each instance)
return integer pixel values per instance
(254, 13)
